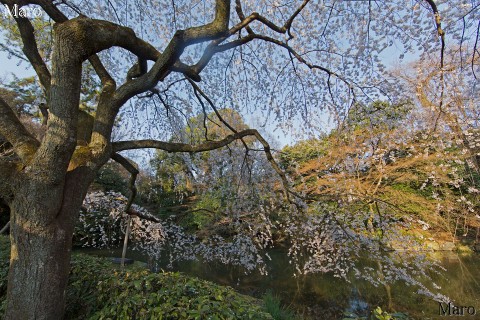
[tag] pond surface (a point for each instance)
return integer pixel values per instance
(322, 296)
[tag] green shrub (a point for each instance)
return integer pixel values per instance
(274, 307)
(377, 314)
(97, 290)
(112, 177)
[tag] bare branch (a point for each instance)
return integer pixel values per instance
(255, 16)
(305, 62)
(214, 47)
(5, 228)
(212, 105)
(124, 162)
(205, 115)
(288, 24)
(475, 51)
(197, 91)
(143, 216)
(51, 9)
(440, 31)
(133, 177)
(241, 14)
(101, 71)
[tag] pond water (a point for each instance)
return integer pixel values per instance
(322, 296)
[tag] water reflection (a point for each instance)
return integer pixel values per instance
(322, 296)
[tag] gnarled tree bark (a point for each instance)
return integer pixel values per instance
(46, 198)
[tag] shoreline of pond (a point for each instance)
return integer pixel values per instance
(322, 296)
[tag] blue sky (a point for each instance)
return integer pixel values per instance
(9, 66)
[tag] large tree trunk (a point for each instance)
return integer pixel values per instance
(41, 247)
(46, 197)
(39, 269)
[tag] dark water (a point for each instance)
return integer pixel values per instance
(322, 296)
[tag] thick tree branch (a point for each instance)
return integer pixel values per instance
(215, 47)
(187, 70)
(103, 124)
(57, 16)
(169, 60)
(92, 36)
(24, 144)
(133, 177)
(182, 147)
(30, 50)
(143, 216)
(85, 37)
(105, 114)
(131, 42)
(53, 157)
(216, 29)
(125, 163)
(106, 79)
(207, 146)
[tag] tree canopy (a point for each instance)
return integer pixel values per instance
(141, 71)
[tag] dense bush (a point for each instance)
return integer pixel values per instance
(96, 290)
